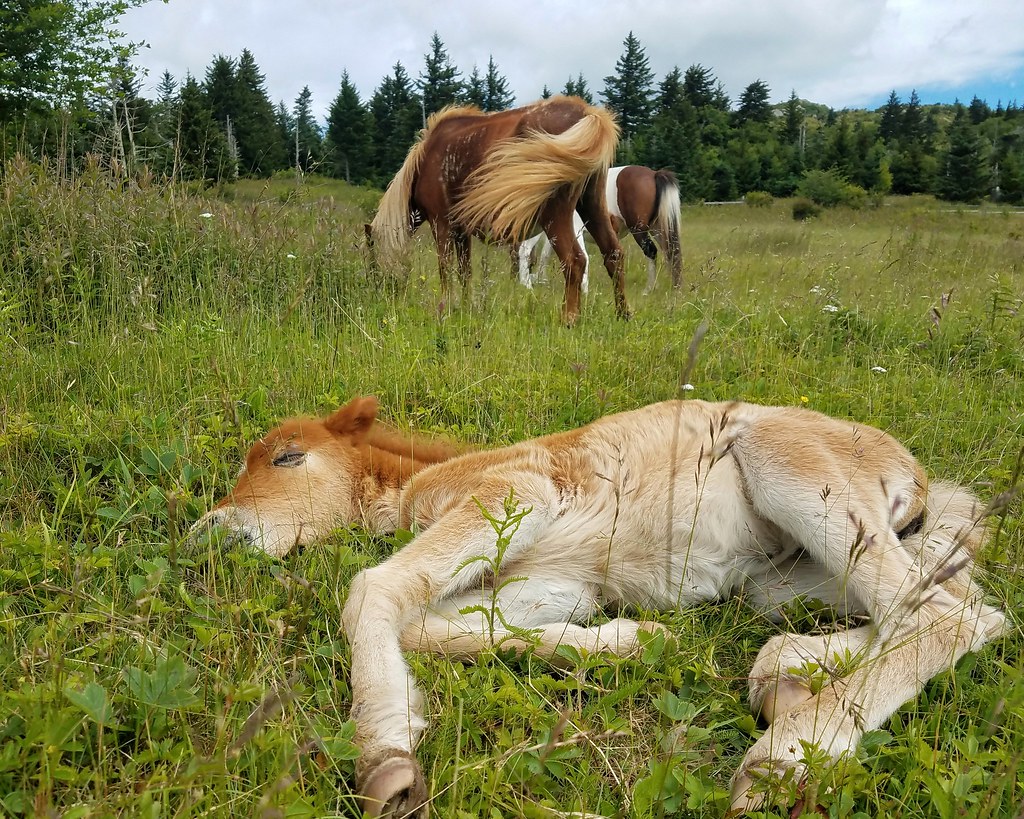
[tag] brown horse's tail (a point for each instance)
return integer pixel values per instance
(666, 221)
(393, 224)
(509, 189)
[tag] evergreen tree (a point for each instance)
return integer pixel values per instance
(979, 110)
(754, 105)
(497, 97)
(397, 116)
(912, 126)
(308, 149)
(840, 152)
(961, 177)
(202, 149)
(284, 129)
(578, 88)
(792, 125)
(673, 140)
(348, 134)
(699, 86)
(628, 91)
(474, 91)
(260, 148)
(221, 90)
(545, 93)
(166, 92)
(890, 124)
(439, 83)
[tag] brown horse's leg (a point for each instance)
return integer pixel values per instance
(642, 234)
(594, 210)
(462, 244)
(443, 239)
(557, 222)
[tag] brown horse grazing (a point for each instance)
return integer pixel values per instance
(500, 176)
(670, 505)
(643, 202)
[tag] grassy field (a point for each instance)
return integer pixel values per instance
(148, 336)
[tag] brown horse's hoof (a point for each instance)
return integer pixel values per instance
(394, 787)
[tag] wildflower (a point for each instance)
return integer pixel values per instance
(877, 369)
(206, 214)
(687, 387)
(804, 399)
(290, 256)
(829, 308)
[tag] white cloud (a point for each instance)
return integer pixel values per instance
(832, 51)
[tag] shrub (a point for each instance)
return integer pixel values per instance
(759, 199)
(830, 188)
(804, 208)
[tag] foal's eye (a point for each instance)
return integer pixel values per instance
(289, 459)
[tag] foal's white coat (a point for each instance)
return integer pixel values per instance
(661, 507)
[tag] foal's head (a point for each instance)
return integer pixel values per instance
(299, 481)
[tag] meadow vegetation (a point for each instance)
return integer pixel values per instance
(149, 334)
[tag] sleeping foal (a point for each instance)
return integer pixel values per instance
(661, 507)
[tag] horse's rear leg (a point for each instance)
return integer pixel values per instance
(445, 245)
(462, 244)
(643, 238)
(594, 210)
(557, 221)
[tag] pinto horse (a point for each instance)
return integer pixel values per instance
(641, 201)
(502, 175)
(673, 504)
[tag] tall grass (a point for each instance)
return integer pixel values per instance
(148, 335)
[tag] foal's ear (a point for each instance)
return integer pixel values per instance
(355, 418)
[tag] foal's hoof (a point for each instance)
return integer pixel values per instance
(394, 787)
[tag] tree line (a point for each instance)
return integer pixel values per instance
(224, 125)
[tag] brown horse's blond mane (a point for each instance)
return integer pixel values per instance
(391, 226)
(508, 190)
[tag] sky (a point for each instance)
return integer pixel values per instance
(842, 53)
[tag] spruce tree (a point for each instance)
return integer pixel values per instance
(628, 91)
(961, 176)
(475, 91)
(307, 132)
(577, 87)
(439, 83)
(221, 90)
(397, 116)
(497, 97)
(260, 149)
(202, 150)
(754, 105)
(890, 123)
(348, 134)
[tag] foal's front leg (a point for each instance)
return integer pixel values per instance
(440, 563)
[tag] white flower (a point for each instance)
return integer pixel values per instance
(829, 308)
(687, 387)
(206, 214)
(815, 289)
(290, 256)
(877, 369)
